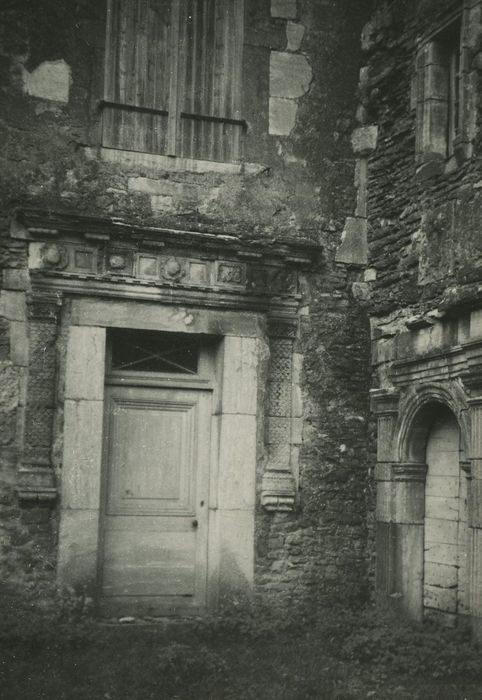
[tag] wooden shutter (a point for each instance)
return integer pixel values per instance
(212, 34)
(173, 77)
(135, 115)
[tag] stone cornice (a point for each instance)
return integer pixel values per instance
(35, 224)
(109, 257)
(462, 361)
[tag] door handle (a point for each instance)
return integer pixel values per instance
(194, 523)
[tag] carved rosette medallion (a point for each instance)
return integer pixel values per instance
(54, 256)
(172, 270)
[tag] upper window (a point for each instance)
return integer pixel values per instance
(440, 94)
(173, 77)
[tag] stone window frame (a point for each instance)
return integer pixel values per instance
(171, 116)
(445, 112)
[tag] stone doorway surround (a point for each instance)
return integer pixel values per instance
(421, 376)
(88, 275)
(234, 441)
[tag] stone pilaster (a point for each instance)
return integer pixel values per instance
(283, 434)
(400, 531)
(36, 479)
(384, 404)
(474, 492)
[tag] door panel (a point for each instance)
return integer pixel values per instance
(156, 490)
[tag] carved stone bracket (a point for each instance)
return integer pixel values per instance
(36, 484)
(278, 491)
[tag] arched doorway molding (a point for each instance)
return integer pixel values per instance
(416, 416)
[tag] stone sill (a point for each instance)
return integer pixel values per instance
(137, 160)
(428, 168)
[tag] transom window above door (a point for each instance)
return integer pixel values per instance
(173, 74)
(151, 351)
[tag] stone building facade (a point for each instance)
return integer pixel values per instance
(420, 95)
(184, 338)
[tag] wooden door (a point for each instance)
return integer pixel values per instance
(156, 481)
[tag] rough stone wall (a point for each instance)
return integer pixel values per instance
(424, 230)
(302, 60)
(423, 217)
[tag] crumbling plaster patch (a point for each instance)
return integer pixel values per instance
(51, 80)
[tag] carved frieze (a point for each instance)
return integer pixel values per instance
(110, 251)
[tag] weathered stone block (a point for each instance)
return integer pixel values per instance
(240, 374)
(153, 186)
(84, 377)
(19, 343)
(236, 548)
(282, 116)
(441, 531)
(440, 598)
(162, 203)
(385, 506)
(82, 454)
(364, 140)
(294, 34)
(12, 305)
(237, 462)
(409, 568)
(16, 280)
(354, 246)
(283, 8)
(289, 75)
(78, 542)
(409, 502)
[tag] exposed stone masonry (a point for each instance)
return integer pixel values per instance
(297, 183)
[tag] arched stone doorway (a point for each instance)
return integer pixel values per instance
(445, 522)
(424, 541)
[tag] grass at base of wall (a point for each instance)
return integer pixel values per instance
(345, 654)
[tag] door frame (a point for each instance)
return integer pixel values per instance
(239, 365)
(203, 383)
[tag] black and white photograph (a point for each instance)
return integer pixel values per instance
(241, 349)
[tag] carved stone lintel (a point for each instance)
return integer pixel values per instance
(410, 471)
(278, 492)
(36, 484)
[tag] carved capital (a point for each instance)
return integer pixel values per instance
(466, 467)
(44, 305)
(472, 376)
(384, 402)
(36, 484)
(278, 492)
(282, 327)
(410, 471)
